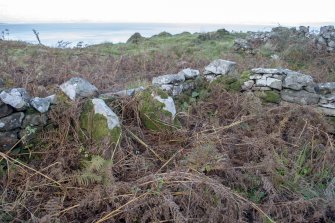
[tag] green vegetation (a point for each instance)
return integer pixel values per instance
(227, 158)
(96, 125)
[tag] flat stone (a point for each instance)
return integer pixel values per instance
(325, 99)
(40, 104)
(101, 108)
(11, 122)
(268, 71)
(274, 83)
(300, 97)
(220, 67)
(247, 85)
(261, 89)
(168, 104)
(256, 76)
(8, 140)
(35, 119)
(327, 111)
(261, 82)
(168, 79)
(17, 98)
(189, 73)
(279, 76)
(296, 81)
(123, 93)
(325, 88)
(167, 87)
(5, 109)
(329, 105)
(78, 87)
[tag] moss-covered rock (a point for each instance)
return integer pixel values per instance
(99, 122)
(157, 110)
(270, 97)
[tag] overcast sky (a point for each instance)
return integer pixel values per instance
(284, 12)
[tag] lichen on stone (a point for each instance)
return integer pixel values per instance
(96, 125)
(152, 112)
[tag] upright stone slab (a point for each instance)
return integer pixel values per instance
(157, 110)
(99, 122)
(78, 87)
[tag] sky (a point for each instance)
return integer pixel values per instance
(283, 12)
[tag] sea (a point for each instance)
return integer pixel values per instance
(83, 34)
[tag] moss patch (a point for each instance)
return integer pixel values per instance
(95, 125)
(270, 97)
(152, 114)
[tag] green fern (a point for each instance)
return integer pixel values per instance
(96, 170)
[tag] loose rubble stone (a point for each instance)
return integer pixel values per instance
(300, 97)
(5, 109)
(40, 104)
(296, 81)
(177, 90)
(8, 140)
(168, 79)
(17, 98)
(189, 73)
(78, 87)
(35, 119)
(220, 67)
(247, 85)
(11, 122)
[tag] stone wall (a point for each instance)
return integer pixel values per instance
(326, 38)
(293, 87)
(21, 115)
(175, 84)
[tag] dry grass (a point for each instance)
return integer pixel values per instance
(234, 160)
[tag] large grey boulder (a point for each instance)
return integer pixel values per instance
(40, 104)
(17, 98)
(168, 79)
(168, 104)
(189, 73)
(296, 80)
(8, 140)
(220, 67)
(78, 87)
(11, 122)
(300, 97)
(5, 109)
